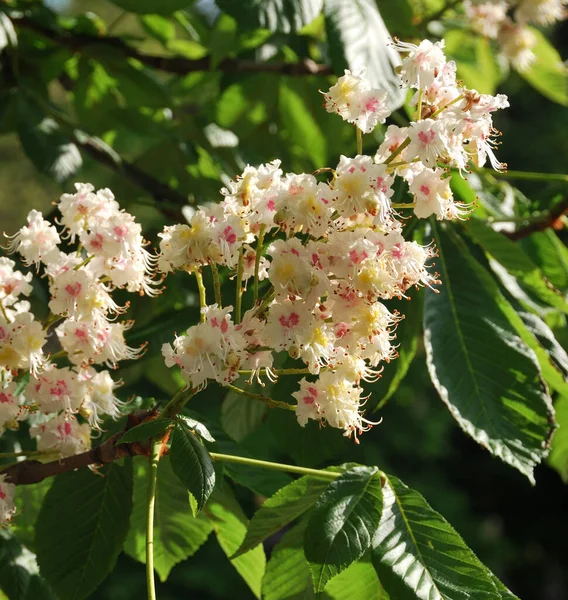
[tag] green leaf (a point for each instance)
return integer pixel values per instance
(551, 356)
(489, 379)
(418, 554)
(50, 151)
(550, 254)
(19, 578)
(517, 263)
(192, 464)
(240, 415)
(230, 525)
(357, 581)
(285, 16)
(287, 574)
(196, 427)
(547, 74)
(343, 523)
(558, 458)
(504, 592)
(81, 528)
(159, 7)
(29, 500)
(177, 534)
(407, 336)
(357, 37)
(303, 129)
(158, 27)
(287, 504)
(475, 60)
(146, 430)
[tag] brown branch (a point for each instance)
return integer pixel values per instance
(548, 220)
(179, 65)
(28, 472)
(158, 190)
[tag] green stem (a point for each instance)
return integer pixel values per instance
(278, 372)
(56, 355)
(25, 453)
(174, 406)
(275, 466)
(268, 401)
(4, 313)
(85, 262)
(216, 285)
(239, 292)
(151, 501)
(202, 294)
(403, 204)
(268, 297)
(527, 175)
(359, 140)
(419, 107)
(257, 262)
(443, 108)
(397, 151)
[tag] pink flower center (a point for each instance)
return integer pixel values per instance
(289, 322)
(73, 289)
(5, 398)
(426, 137)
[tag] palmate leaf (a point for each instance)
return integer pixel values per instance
(192, 464)
(418, 554)
(358, 37)
(287, 504)
(177, 534)
(81, 528)
(146, 430)
(487, 376)
(343, 523)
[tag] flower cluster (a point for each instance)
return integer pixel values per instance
(507, 23)
(111, 254)
(326, 254)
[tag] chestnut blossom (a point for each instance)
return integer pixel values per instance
(62, 435)
(353, 99)
(35, 242)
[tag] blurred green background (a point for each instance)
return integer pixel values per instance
(190, 132)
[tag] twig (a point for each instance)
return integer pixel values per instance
(547, 220)
(33, 471)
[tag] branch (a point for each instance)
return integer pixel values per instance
(179, 65)
(158, 190)
(28, 472)
(548, 219)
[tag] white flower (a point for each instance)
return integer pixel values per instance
(423, 63)
(12, 283)
(211, 350)
(35, 242)
(62, 435)
(486, 17)
(84, 209)
(517, 43)
(541, 12)
(56, 390)
(353, 99)
(427, 141)
(10, 404)
(21, 343)
(363, 187)
(432, 194)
